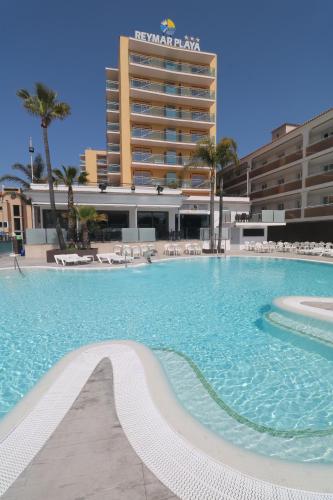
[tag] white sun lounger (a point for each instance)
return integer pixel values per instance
(73, 258)
(113, 258)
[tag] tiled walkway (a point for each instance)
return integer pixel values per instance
(89, 457)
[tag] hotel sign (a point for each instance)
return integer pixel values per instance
(168, 28)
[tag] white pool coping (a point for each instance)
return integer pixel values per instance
(295, 304)
(189, 459)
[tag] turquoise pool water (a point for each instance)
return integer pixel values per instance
(209, 310)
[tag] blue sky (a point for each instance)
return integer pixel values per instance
(275, 64)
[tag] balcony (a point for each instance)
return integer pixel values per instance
(173, 160)
(142, 135)
(112, 105)
(293, 213)
(265, 216)
(273, 165)
(156, 66)
(320, 145)
(159, 114)
(113, 147)
(112, 128)
(171, 183)
(101, 161)
(319, 174)
(170, 93)
(319, 210)
(290, 185)
(112, 85)
(114, 168)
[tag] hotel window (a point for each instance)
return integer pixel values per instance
(170, 88)
(171, 134)
(171, 112)
(264, 186)
(170, 158)
(197, 180)
(5, 224)
(280, 206)
(196, 136)
(298, 204)
(281, 180)
(141, 155)
(171, 65)
(171, 180)
(16, 211)
(329, 167)
(328, 200)
(299, 175)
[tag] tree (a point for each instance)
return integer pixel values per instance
(88, 214)
(24, 181)
(206, 154)
(44, 105)
(226, 153)
(68, 176)
(216, 157)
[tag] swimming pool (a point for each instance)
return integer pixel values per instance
(271, 394)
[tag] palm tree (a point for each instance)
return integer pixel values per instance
(47, 108)
(206, 153)
(68, 176)
(88, 214)
(226, 153)
(38, 173)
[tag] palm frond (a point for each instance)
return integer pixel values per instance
(83, 178)
(25, 169)
(23, 94)
(17, 180)
(61, 110)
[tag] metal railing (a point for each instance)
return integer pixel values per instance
(113, 127)
(112, 85)
(171, 136)
(157, 62)
(114, 168)
(114, 148)
(320, 169)
(172, 183)
(112, 106)
(167, 112)
(162, 159)
(171, 89)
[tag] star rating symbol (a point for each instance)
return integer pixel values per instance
(197, 39)
(186, 37)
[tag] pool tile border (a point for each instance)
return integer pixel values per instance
(186, 470)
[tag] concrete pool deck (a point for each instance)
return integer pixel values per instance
(89, 456)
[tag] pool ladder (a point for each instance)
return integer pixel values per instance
(17, 265)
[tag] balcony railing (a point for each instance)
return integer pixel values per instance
(170, 89)
(162, 159)
(157, 62)
(172, 183)
(112, 85)
(166, 112)
(267, 216)
(274, 164)
(101, 161)
(319, 209)
(112, 105)
(277, 188)
(114, 168)
(168, 135)
(112, 127)
(320, 144)
(113, 148)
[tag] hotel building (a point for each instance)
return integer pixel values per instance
(160, 101)
(293, 172)
(15, 214)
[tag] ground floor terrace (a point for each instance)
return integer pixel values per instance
(111, 435)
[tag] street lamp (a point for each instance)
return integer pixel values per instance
(31, 151)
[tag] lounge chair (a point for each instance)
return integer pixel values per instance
(113, 258)
(73, 258)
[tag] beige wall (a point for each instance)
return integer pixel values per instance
(124, 106)
(91, 163)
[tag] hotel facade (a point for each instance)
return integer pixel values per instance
(160, 102)
(294, 172)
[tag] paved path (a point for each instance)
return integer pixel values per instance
(89, 457)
